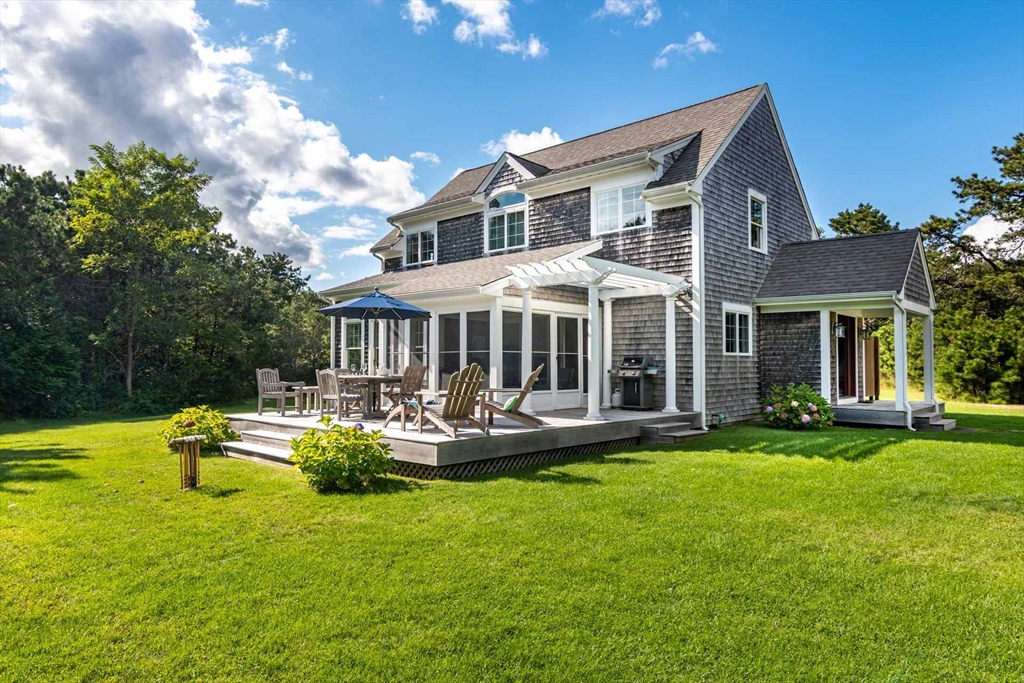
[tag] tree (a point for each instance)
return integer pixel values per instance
(135, 217)
(864, 220)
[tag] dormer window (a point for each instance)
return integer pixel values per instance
(419, 247)
(506, 221)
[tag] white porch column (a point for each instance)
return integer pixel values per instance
(371, 344)
(334, 339)
(432, 356)
(526, 360)
(406, 345)
(495, 343)
(899, 323)
(606, 348)
(826, 356)
(670, 355)
(594, 381)
(929, 359)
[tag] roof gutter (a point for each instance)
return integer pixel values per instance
(421, 211)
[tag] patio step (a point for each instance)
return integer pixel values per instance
(254, 452)
(267, 437)
(933, 422)
(660, 428)
(651, 435)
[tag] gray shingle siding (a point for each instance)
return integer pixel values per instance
(560, 219)
(506, 176)
(665, 246)
(460, 239)
(916, 288)
(755, 159)
(638, 328)
(565, 294)
(790, 349)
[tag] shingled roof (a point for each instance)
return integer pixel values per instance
(459, 275)
(713, 119)
(844, 265)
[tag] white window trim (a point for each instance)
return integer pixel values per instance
(346, 348)
(489, 213)
(741, 309)
(595, 191)
(420, 261)
(754, 194)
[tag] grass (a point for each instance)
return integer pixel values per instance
(751, 554)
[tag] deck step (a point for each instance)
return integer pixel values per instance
(933, 422)
(677, 435)
(664, 427)
(266, 437)
(254, 452)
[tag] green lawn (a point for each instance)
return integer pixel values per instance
(855, 555)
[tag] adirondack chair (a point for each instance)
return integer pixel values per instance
(459, 402)
(270, 386)
(514, 412)
(332, 391)
(403, 396)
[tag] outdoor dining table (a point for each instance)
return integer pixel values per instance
(372, 397)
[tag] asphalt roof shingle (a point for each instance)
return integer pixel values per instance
(844, 265)
(714, 119)
(472, 273)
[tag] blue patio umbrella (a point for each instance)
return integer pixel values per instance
(375, 306)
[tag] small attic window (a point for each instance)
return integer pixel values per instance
(507, 199)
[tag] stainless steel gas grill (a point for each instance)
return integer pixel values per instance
(637, 382)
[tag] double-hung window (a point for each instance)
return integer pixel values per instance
(757, 218)
(506, 221)
(621, 208)
(419, 247)
(736, 329)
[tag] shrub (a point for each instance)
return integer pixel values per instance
(796, 407)
(340, 458)
(201, 420)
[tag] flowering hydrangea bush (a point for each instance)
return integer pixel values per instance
(796, 407)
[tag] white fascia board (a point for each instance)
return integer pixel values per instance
(911, 307)
(450, 209)
(554, 183)
(764, 94)
(790, 304)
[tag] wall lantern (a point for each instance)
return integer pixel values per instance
(839, 329)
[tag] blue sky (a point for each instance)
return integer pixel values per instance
(881, 102)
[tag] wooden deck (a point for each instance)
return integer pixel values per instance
(432, 454)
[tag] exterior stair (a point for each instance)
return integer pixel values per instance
(264, 446)
(933, 422)
(676, 431)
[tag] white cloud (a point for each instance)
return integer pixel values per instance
(354, 228)
(987, 228)
(428, 157)
(646, 12)
(457, 172)
(360, 250)
(696, 43)
(280, 39)
(420, 14)
(531, 48)
(521, 143)
(321, 277)
(253, 3)
(301, 75)
(87, 73)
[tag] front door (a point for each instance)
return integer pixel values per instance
(846, 348)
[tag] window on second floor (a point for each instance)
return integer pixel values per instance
(506, 221)
(419, 247)
(621, 208)
(757, 215)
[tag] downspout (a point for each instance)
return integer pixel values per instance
(908, 412)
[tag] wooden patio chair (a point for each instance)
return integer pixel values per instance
(458, 403)
(403, 395)
(333, 391)
(513, 411)
(270, 386)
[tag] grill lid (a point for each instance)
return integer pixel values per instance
(636, 362)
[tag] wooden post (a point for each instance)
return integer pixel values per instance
(188, 456)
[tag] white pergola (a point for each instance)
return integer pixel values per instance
(605, 281)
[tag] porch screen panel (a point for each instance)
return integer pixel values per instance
(418, 342)
(542, 350)
(568, 357)
(478, 340)
(448, 348)
(353, 346)
(395, 351)
(511, 350)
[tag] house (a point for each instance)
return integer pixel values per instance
(686, 237)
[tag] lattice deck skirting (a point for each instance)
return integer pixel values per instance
(509, 462)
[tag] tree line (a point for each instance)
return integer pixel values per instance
(979, 287)
(118, 292)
